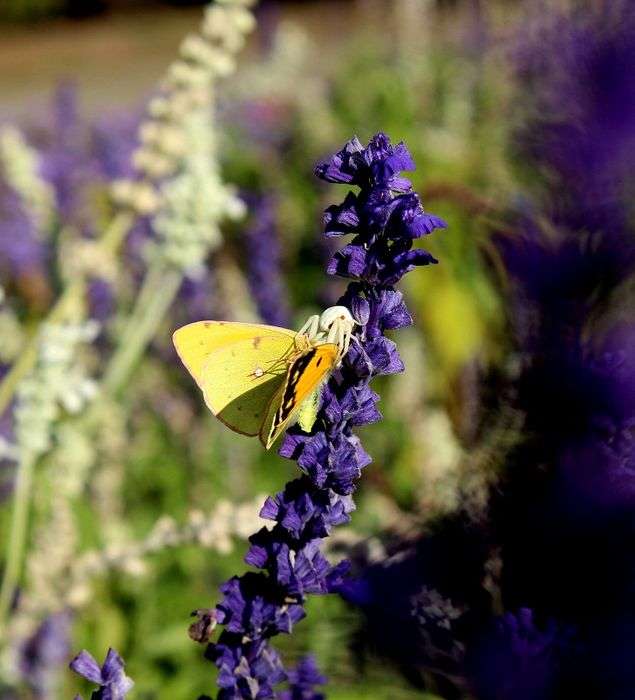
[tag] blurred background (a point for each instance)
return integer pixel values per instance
(147, 181)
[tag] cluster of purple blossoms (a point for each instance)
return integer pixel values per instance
(385, 217)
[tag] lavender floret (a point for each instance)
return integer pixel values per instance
(110, 677)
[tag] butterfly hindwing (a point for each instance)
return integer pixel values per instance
(304, 375)
(307, 414)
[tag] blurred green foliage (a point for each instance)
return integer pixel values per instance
(20, 10)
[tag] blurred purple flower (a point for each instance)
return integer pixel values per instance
(576, 69)
(302, 681)
(198, 297)
(79, 156)
(21, 252)
(101, 299)
(257, 606)
(110, 677)
(79, 160)
(44, 654)
(516, 660)
(263, 265)
(112, 140)
(64, 162)
(563, 513)
(577, 384)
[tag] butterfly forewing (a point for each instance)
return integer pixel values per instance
(195, 342)
(306, 371)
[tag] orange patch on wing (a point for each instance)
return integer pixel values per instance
(305, 373)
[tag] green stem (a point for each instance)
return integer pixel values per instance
(157, 293)
(15, 543)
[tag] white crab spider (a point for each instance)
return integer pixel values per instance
(335, 325)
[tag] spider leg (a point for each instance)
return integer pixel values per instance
(311, 327)
(339, 330)
(354, 338)
(346, 340)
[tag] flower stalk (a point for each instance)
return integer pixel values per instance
(55, 384)
(384, 217)
(17, 538)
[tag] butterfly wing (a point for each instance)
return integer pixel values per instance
(239, 367)
(240, 380)
(305, 373)
(307, 413)
(195, 342)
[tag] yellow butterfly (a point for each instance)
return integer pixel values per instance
(257, 379)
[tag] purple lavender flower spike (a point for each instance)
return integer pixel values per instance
(111, 678)
(576, 71)
(63, 165)
(384, 217)
(21, 253)
(263, 265)
(112, 139)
